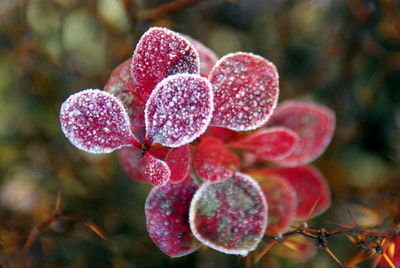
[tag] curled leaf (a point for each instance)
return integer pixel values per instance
(156, 171)
(213, 161)
(178, 110)
(120, 84)
(159, 54)
(95, 121)
(246, 90)
(313, 123)
(178, 161)
(229, 216)
(167, 213)
(268, 144)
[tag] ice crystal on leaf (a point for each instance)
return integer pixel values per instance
(167, 213)
(159, 54)
(156, 171)
(246, 90)
(96, 122)
(229, 216)
(178, 110)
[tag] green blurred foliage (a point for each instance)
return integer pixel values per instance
(342, 53)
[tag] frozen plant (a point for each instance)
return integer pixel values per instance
(178, 116)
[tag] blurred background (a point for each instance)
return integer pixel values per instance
(341, 53)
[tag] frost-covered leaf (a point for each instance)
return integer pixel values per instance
(246, 89)
(281, 200)
(229, 216)
(207, 57)
(178, 110)
(95, 121)
(160, 53)
(310, 185)
(213, 161)
(156, 171)
(167, 213)
(178, 161)
(132, 161)
(120, 84)
(313, 123)
(268, 143)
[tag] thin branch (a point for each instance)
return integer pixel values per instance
(163, 10)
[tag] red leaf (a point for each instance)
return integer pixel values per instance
(213, 161)
(167, 213)
(207, 57)
(132, 161)
(246, 90)
(313, 123)
(229, 216)
(221, 133)
(95, 121)
(178, 110)
(178, 161)
(156, 171)
(268, 143)
(121, 86)
(310, 186)
(160, 53)
(281, 200)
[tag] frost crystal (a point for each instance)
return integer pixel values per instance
(229, 216)
(213, 161)
(156, 171)
(246, 89)
(159, 54)
(178, 110)
(167, 213)
(313, 123)
(269, 143)
(96, 122)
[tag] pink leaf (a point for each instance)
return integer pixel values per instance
(310, 186)
(160, 53)
(178, 161)
(281, 200)
(132, 161)
(313, 123)
(178, 110)
(213, 161)
(246, 90)
(156, 171)
(120, 84)
(167, 213)
(95, 121)
(207, 57)
(229, 216)
(269, 143)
